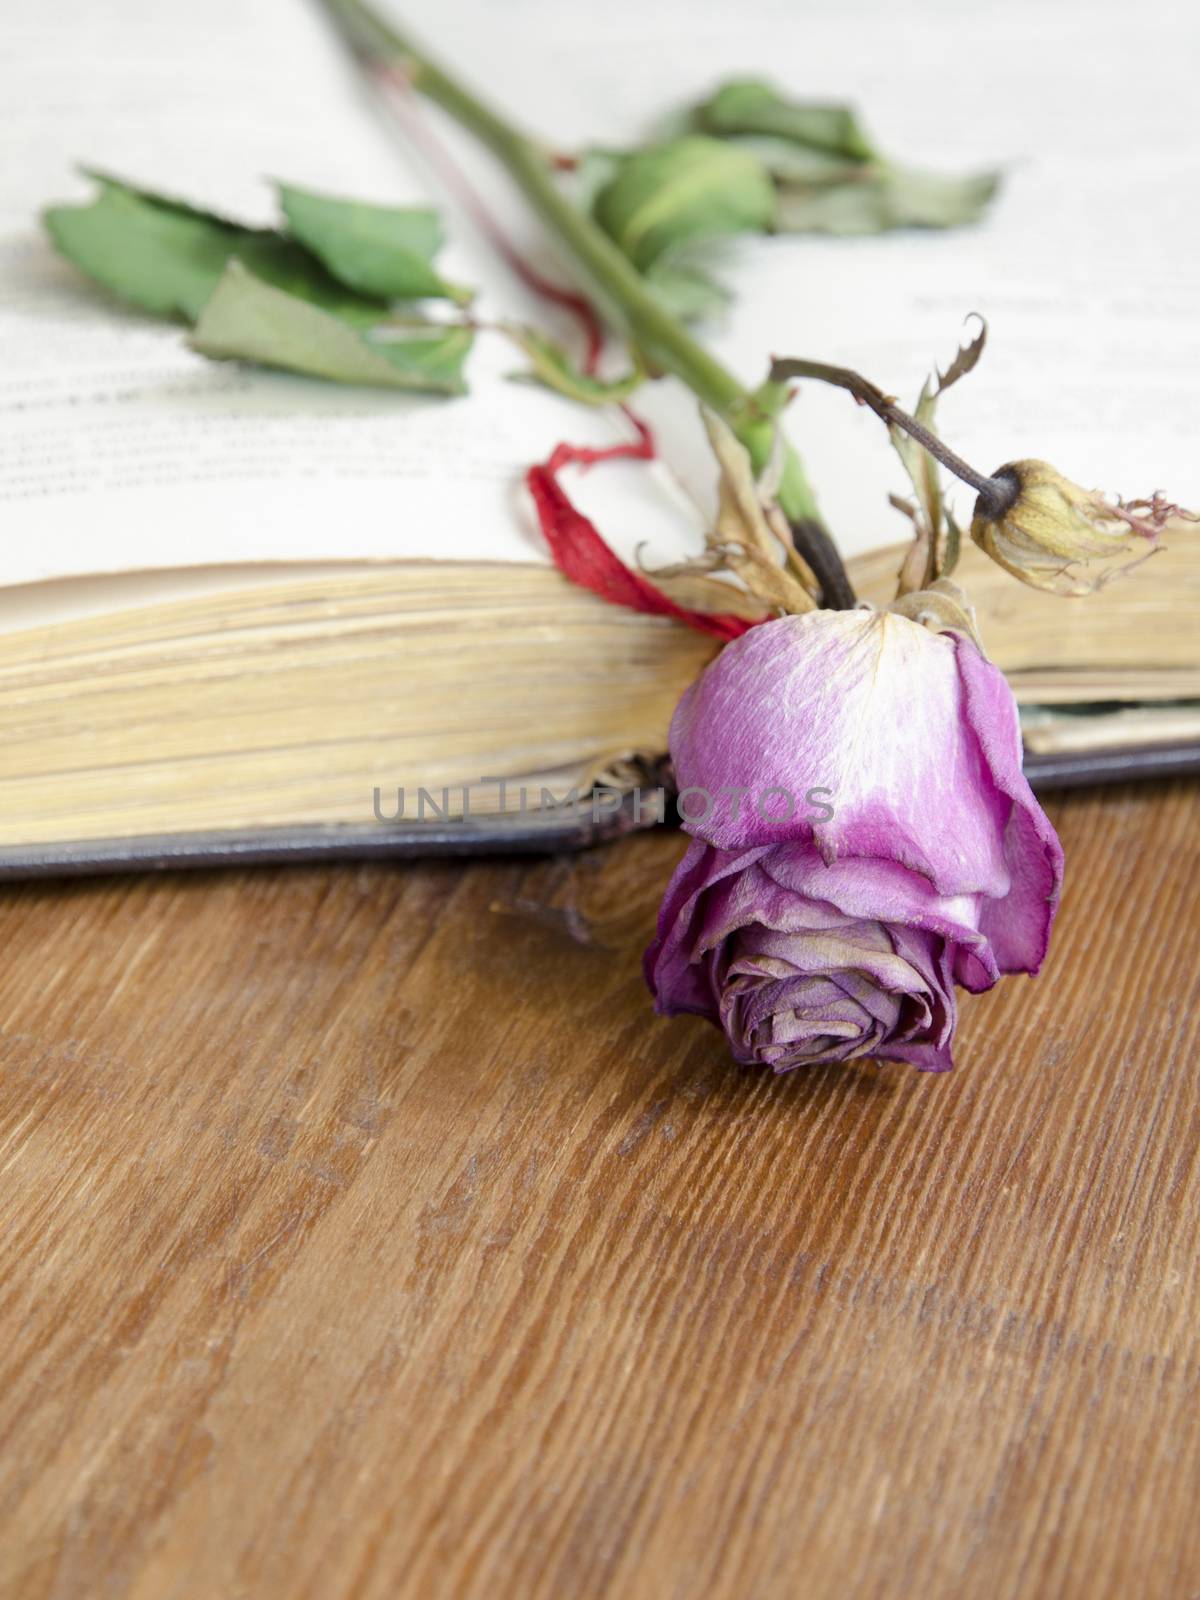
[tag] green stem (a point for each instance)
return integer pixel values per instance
(618, 287)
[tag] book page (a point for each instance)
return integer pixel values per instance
(122, 450)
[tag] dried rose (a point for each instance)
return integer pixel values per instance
(817, 929)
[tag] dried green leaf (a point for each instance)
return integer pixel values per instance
(428, 356)
(876, 198)
(920, 466)
(927, 560)
(666, 195)
(384, 251)
(830, 176)
(168, 257)
(751, 539)
(953, 546)
(687, 290)
(684, 286)
(250, 320)
(751, 106)
(594, 169)
(553, 367)
(797, 163)
(914, 568)
(966, 359)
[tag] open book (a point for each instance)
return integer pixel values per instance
(240, 610)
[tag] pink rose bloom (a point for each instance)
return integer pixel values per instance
(820, 926)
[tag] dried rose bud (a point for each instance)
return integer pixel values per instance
(1040, 525)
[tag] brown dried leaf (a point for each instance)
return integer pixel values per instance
(752, 539)
(696, 591)
(927, 560)
(944, 606)
(966, 360)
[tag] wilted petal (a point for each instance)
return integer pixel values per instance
(864, 705)
(863, 948)
(893, 895)
(1017, 925)
(669, 963)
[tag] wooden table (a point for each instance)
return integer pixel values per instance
(365, 1235)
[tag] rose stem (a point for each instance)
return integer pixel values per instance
(996, 493)
(618, 286)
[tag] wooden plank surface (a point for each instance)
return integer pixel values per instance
(364, 1235)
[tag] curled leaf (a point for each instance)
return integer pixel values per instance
(830, 177)
(751, 106)
(168, 257)
(750, 529)
(943, 606)
(934, 551)
(750, 539)
(914, 568)
(696, 591)
(952, 546)
(384, 251)
(553, 367)
(250, 320)
(880, 198)
(668, 196)
(920, 564)
(967, 357)
(257, 295)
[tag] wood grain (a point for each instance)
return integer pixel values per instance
(363, 1235)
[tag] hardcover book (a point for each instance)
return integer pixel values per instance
(248, 614)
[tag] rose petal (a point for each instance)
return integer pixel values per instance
(891, 894)
(865, 705)
(676, 983)
(1018, 925)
